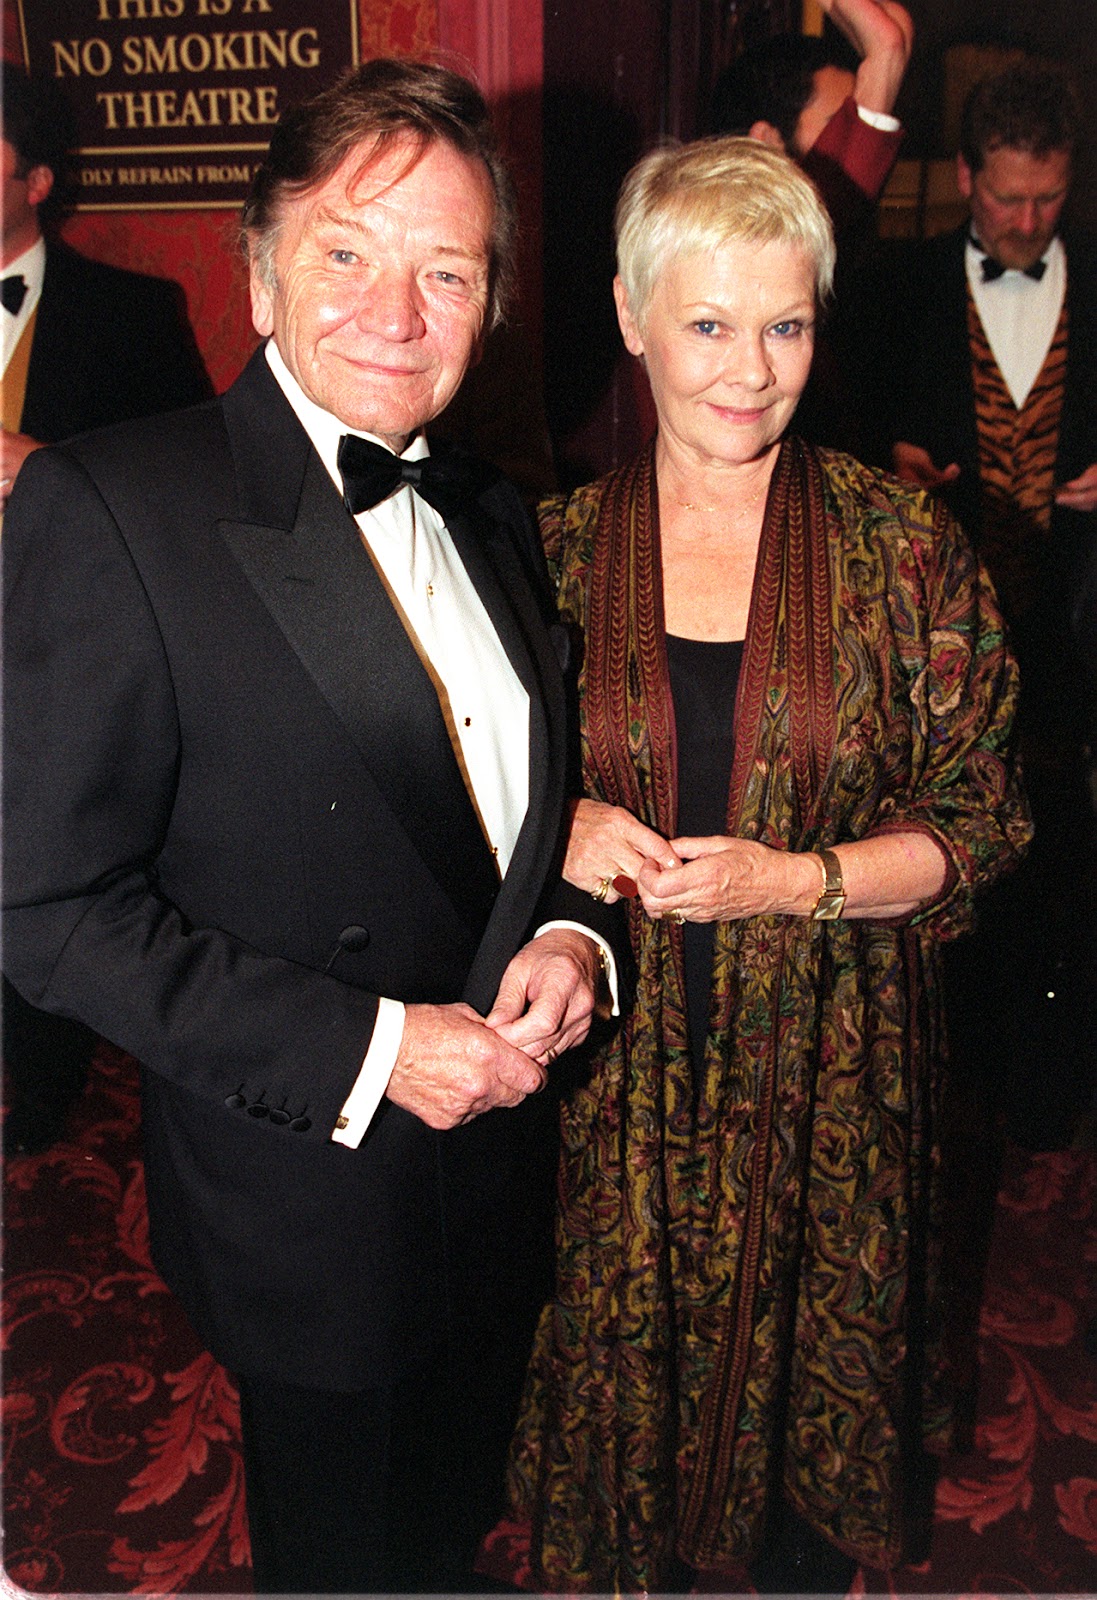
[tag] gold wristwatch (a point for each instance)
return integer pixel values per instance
(832, 897)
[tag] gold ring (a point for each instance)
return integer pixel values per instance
(604, 886)
(677, 917)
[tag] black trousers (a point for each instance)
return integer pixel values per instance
(387, 1490)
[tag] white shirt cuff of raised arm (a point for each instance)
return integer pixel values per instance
(882, 121)
(373, 1078)
(609, 964)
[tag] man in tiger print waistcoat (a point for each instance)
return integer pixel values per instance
(995, 407)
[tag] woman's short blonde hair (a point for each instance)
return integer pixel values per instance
(681, 199)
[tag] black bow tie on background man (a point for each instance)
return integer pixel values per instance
(13, 291)
(993, 270)
(370, 473)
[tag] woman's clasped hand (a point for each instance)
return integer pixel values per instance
(711, 879)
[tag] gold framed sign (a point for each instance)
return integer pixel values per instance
(175, 100)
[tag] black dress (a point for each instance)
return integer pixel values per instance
(704, 675)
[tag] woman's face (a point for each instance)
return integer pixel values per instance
(727, 342)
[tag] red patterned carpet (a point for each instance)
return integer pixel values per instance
(121, 1459)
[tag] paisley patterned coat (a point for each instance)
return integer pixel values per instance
(746, 1262)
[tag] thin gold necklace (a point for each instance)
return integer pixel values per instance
(695, 505)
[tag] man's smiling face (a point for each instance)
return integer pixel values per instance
(380, 285)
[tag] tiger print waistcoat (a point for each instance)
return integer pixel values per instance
(1017, 451)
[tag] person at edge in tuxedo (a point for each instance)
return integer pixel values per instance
(83, 344)
(829, 102)
(993, 406)
(299, 852)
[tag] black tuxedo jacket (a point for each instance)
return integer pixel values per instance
(222, 754)
(934, 406)
(108, 345)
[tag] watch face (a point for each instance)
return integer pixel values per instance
(830, 906)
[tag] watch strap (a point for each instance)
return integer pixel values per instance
(832, 897)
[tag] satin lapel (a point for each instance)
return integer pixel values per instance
(504, 588)
(951, 382)
(307, 564)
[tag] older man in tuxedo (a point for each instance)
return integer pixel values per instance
(285, 780)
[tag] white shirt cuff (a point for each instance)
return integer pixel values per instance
(373, 1078)
(376, 1070)
(882, 121)
(609, 963)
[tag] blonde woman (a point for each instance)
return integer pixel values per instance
(796, 705)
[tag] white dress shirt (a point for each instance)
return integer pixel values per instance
(1019, 315)
(31, 266)
(408, 542)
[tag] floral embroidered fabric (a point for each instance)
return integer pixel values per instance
(746, 1264)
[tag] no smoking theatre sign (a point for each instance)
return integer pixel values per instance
(175, 100)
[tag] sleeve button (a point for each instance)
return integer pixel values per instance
(300, 1125)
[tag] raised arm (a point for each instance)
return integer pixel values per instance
(882, 33)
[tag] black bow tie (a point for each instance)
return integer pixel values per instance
(993, 270)
(13, 291)
(370, 473)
